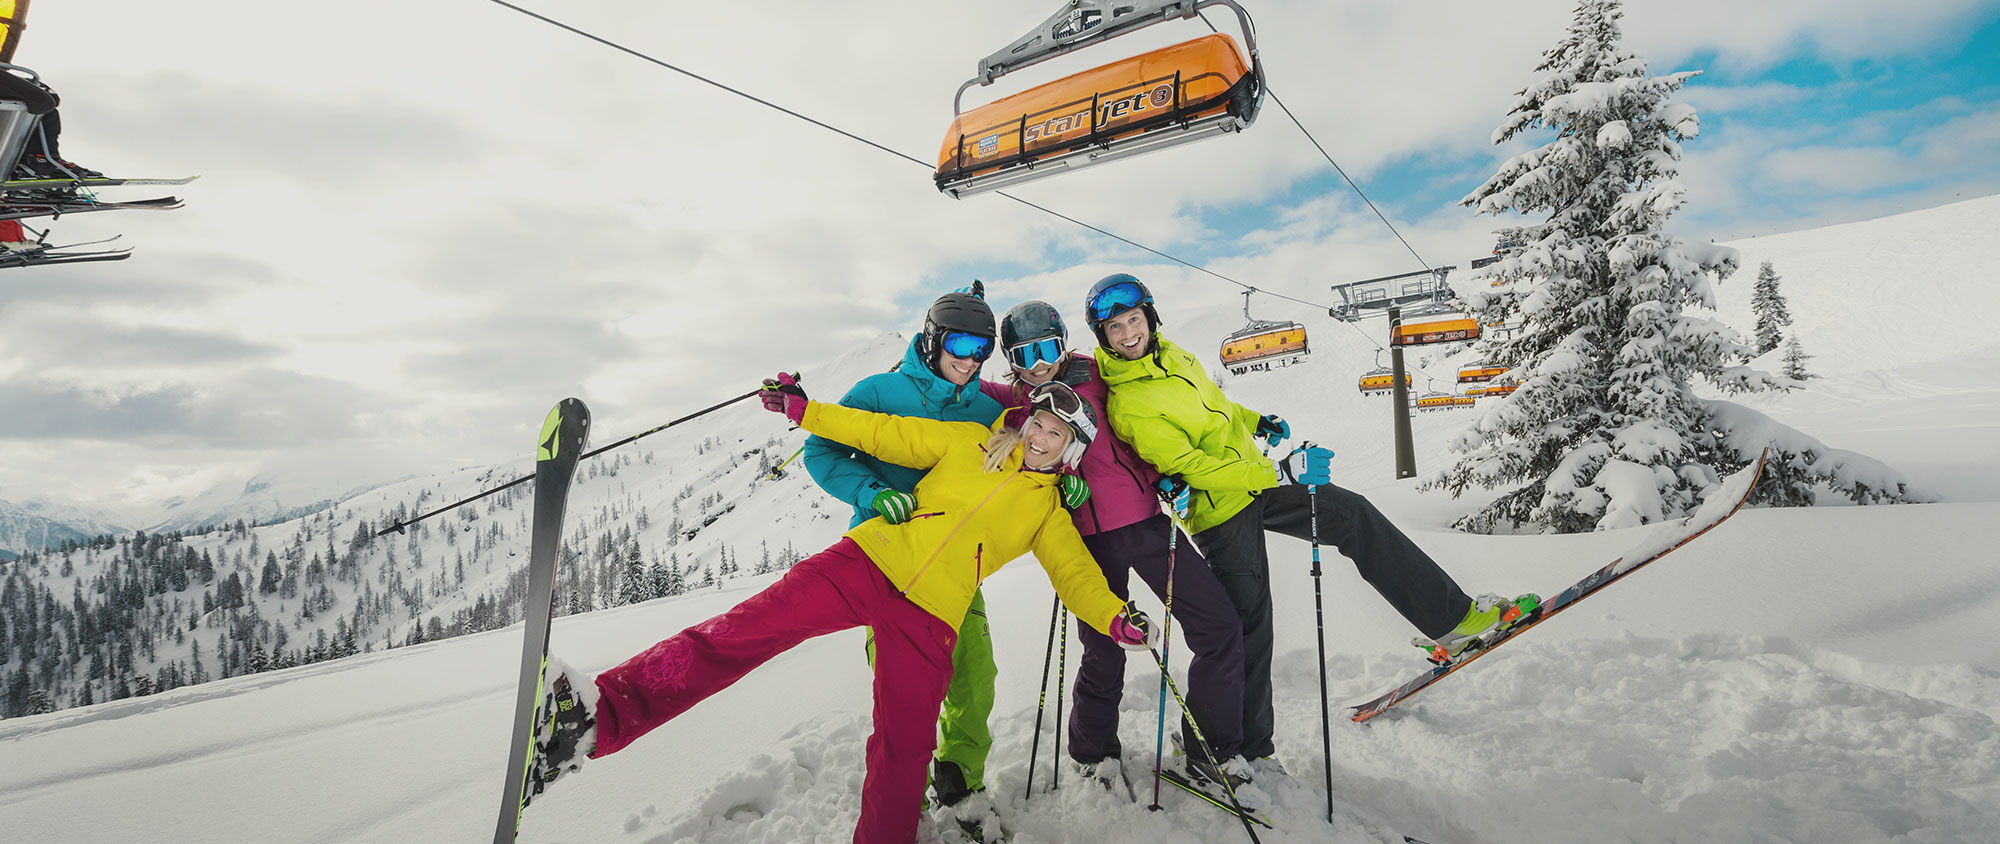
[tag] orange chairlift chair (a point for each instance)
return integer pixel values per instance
(1198, 89)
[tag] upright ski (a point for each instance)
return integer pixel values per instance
(562, 439)
(1721, 504)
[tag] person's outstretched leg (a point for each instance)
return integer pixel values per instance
(814, 598)
(1406, 577)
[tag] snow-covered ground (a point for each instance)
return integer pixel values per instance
(1810, 675)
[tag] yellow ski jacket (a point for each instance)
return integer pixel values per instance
(969, 522)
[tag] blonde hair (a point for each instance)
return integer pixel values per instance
(1003, 442)
(1000, 447)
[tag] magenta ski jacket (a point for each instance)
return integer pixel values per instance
(1122, 486)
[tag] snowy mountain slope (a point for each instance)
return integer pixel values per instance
(39, 523)
(1797, 675)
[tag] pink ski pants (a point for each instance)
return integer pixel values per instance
(830, 591)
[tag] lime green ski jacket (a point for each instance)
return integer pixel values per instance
(1168, 410)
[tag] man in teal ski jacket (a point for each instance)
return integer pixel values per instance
(937, 379)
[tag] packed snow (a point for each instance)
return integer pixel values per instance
(1823, 674)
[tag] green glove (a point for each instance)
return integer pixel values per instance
(894, 506)
(1074, 491)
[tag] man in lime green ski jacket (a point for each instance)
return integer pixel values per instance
(1164, 405)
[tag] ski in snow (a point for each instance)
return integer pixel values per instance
(45, 184)
(1721, 504)
(563, 435)
(1174, 778)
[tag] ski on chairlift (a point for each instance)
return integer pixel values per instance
(1195, 90)
(1263, 345)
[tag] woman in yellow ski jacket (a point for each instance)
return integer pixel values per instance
(991, 495)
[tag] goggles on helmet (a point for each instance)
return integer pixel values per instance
(1122, 296)
(1036, 352)
(960, 344)
(1057, 398)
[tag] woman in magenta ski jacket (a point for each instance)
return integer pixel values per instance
(1123, 527)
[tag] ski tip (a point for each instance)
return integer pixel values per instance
(566, 426)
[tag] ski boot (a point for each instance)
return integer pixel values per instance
(1488, 614)
(975, 816)
(568, 731)
(959, 805)
(1104, 771)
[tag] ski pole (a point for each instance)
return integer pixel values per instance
(1319, 620)
(779, 471)
(1035, 747)
(1166, 642)
(399, 526)
(1202, 741)
(1056, 729)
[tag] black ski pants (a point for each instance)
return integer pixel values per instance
(1404, 575)
(1207, 620)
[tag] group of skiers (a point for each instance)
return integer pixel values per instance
(951, 477)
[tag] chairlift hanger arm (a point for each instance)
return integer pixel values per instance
(1074, 27)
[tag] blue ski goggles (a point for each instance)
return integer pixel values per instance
(1122, 296)
(960, 344)
(1032, 354)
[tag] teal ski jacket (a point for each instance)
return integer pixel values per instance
(911, 389)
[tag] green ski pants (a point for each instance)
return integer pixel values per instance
(963, 736)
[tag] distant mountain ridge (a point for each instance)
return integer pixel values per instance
(39, 523)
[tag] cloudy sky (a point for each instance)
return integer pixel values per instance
(421, 223)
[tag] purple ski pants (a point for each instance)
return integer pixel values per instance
(830, 591)
(1207, 619)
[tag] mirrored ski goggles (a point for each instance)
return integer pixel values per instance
(960, 344)
(1122, 296)
(1032, 354)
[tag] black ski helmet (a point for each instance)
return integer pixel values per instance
(1030, 321)
(1106, 283)
(965, 312)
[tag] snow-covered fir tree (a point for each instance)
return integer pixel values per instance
(1769, 305)
(1606, 430)
(1795, 361)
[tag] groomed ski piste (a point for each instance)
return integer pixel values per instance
(1809, 675)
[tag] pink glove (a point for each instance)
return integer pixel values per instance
(1133, 631)
(784, 395)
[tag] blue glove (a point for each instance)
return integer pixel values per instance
(1273, 429)
(977, 288)
(1176, 493)
(1309, 465)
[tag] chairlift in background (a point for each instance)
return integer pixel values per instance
(1263, 345)
(1436, 401)
(1434, 324)
(1198, 89)
(1479, 372)
(1381, 380)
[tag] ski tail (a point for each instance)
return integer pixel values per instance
(1224, 803)
(557, 450)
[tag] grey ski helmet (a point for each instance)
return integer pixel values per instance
(1024, 328)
